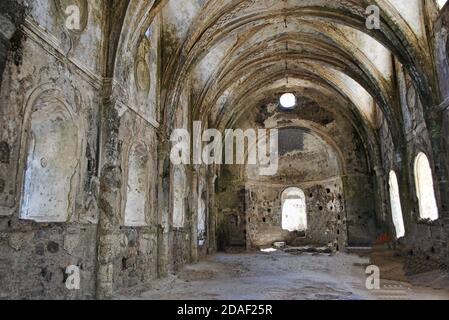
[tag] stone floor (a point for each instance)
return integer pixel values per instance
(284, 276)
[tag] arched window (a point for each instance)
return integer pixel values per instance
(137, 186)
(201, 217)
(51, 165)
(396, 209)
(425, 189)
(441, 3)
(179, 186)
(294, 214)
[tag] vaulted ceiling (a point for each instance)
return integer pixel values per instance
(236, 53)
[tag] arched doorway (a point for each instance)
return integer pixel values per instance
(294, 211)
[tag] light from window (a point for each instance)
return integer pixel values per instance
(149, 33)
(425, 189)
(441, 3)
(294, 214)
(396, 209)
(288, 100)
(201, 215)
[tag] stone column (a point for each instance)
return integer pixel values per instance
(7, 29)
(194, 198)
(437, 131)
(212, 212)
(163, 210)
(109, 200)
(381, 196)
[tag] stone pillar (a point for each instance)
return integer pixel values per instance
(212, 212)
(443, 183)
(163, 210)
(109, 200)
(381, 196)
(438, 132)
(7, 30)
(194, 198)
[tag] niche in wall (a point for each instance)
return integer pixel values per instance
(137, 185)
(52, 148)
(179, 186)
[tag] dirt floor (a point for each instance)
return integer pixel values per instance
(286, 276)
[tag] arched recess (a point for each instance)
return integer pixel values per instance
(396, 208)
(137, 186)
(294, 211)
(178, 197)
(428, 209)
(51, 148)
(250, 171)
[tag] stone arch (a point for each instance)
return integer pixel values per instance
(314, 131)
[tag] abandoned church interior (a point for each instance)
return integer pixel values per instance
(92, 90)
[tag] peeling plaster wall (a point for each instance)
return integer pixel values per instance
(46, 67)
(11, 17)
(53, 64)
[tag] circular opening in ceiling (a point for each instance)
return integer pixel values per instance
(288, 100)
